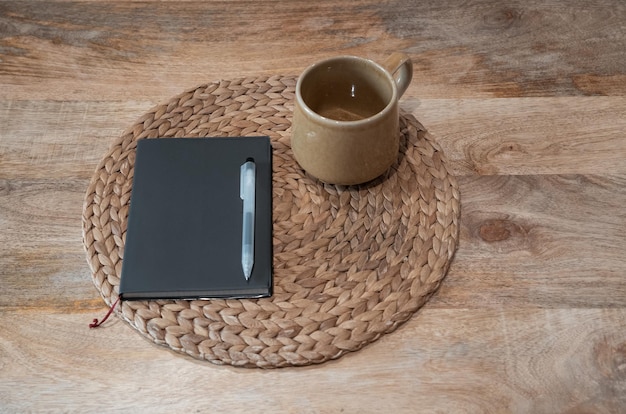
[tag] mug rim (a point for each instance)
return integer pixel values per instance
(359, 122)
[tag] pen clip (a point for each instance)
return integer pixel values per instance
(247, 171)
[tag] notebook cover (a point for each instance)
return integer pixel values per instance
(185, 221)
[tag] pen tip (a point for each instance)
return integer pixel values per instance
(247, 273)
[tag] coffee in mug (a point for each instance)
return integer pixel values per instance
(345, 124)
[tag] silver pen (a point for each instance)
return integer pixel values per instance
(247, 193)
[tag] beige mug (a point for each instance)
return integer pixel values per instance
(345, 122)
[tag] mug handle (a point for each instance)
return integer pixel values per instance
(400, 67)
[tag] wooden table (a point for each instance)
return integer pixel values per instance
(528, 101)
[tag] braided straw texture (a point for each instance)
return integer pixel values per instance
(351, 263)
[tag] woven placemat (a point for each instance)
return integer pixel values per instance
(351, 263)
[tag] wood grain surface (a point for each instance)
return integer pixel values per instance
(528, 101)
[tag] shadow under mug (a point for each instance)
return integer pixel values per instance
(345, 122)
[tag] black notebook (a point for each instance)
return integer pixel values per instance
(184, 238)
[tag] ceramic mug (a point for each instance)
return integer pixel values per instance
(345, 122)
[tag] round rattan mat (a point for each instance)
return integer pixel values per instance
(351, 263)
